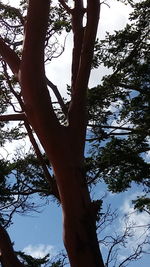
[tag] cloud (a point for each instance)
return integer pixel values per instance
(139, 222)
(137, 217)
(40, 250)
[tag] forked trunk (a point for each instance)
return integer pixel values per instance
(64, 146)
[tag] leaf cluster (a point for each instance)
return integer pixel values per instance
(119, 108)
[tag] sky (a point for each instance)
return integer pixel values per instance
(40, 233)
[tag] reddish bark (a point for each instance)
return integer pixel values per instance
(64, 146)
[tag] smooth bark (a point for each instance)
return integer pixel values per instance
(64, 146)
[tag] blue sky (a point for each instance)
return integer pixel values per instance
(41, 233)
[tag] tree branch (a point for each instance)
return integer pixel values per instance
(15, 10)
(10, 57)
(78, 33)
(77, 109)
(50, 180)
(93, 10)
(7, 255)
(66, 7)
(112, 127)
(129, 86)
(37, 101)
(58, 96)
(13, 117)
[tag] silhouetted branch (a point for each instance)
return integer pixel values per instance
(7, 255)
(58, 96)
(66, 7)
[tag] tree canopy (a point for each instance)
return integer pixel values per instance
(119, 106)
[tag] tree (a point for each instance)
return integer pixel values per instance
(119, 161)
(119, 107)
(63, 145)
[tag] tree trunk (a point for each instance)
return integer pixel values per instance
(64, 146)
(79, 226)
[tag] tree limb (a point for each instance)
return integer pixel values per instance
(7, 255)
(77, 109)
(15, 10)
(10, 57)
(38, 105)
(66, 7)
(58, 96)
(50, 180)
(13, 117)
(111, 127)
(78, 33)
(48, 177)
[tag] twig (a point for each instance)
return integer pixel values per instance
(66, 7)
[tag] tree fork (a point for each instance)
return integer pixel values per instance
(63, 145)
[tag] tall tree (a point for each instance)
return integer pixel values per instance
(118, 112)
(63, 145)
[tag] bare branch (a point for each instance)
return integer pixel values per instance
(111, 127)
(66, 7)
(11, 87)
(58, 96)
(12, 117)
(50, 180)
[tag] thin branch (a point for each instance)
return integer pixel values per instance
(111, 127)
(13, 117)
(66, 7)
(15, 10)
(137, 254)
(27, 192)
(16, 205)
(11, 87)
(50, 180)
(58, 96)
(9, 25)
(114, 133)
(130, 86)
(22, 116)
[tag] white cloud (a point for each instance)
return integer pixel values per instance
(40, 250)
(137, 221)
(147, 157)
